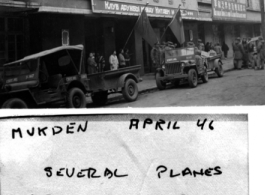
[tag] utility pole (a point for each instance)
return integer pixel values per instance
(262, 18)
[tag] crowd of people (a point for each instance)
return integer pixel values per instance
(96, 62)
(249, 53)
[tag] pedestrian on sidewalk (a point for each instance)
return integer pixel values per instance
(238, 54)
(127, 57)
(250, 53)
(225, 49)
(122, 61)
(245, 57)
(91, 64)
(113, 60)
(261, 53)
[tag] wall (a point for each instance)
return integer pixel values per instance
(81, 4)
(46, 30)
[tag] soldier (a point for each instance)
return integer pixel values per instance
(238, 53)
(261, 53)
(155, 55)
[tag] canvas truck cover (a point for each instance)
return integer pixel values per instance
(47, 52)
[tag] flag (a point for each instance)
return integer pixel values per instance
(144, 28)
(176, 25)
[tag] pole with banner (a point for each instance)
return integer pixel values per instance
(170, 22)
(135, 25)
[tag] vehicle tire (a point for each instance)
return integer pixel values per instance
(130, 90)
(100, 98)
(219, 70)
(193, 78)
(204, 76)
(160, 84)
(15, 103)
(76, 98)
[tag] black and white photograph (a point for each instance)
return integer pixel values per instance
(132, 97)
(133, 53)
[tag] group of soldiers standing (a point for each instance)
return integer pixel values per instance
(158, 52)
(249, 53)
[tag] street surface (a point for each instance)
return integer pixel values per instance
(237, 87)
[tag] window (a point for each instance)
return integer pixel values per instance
(65, 37)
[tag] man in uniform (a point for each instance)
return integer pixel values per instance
(261, 53)
(155, 55)
(238, 53)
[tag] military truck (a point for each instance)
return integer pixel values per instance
(57, 78)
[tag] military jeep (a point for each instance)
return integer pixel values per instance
(181, 64)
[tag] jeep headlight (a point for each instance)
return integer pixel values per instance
(163, 67)
(182, 65)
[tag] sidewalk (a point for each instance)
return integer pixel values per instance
(149, 83)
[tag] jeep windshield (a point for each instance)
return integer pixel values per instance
(176, 55)
(21, 71)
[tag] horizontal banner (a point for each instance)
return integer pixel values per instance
(229, 10)
(120, 8)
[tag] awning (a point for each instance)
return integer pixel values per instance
(64, 10)
(17, 6)
(46, 52)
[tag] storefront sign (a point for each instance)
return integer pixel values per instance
(185, 4)
(229, 10)
(254, 5)
(111, 7)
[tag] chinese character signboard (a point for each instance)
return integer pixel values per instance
(229, 9)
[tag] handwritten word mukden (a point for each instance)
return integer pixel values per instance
(187, 172)
(89, 173)
(70, 128)
(159, 125)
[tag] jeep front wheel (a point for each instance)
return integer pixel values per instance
(159, 83)
(15, 103)
(193, 78)
(76, 98)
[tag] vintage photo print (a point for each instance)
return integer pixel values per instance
(178, 154)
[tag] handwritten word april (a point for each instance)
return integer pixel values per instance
(44, 130)
(159, 125)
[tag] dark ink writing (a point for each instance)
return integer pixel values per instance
(201, 124)
(159, 125)
(90, 173)
(162, 169)
(44, 130)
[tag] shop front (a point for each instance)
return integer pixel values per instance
(14, 29)
(117, 20)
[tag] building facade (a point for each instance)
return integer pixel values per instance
(31, 26)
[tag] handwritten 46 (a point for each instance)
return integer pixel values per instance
(201, 124)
